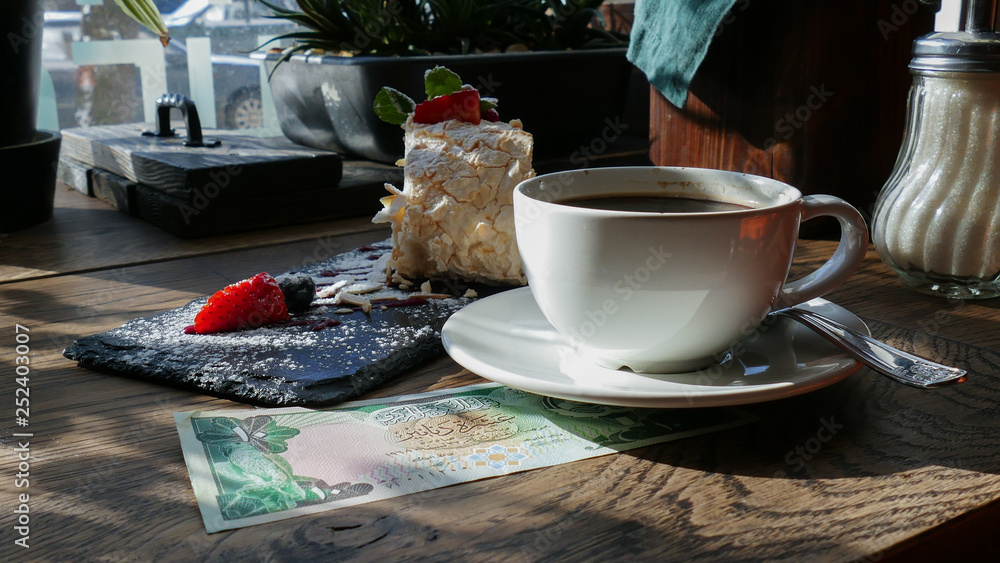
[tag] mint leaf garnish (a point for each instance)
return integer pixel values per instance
(392, 106)
(440, 81)
(487, 103)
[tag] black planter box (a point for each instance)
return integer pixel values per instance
(566, 99)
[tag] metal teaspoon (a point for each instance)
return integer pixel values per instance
(891, 362)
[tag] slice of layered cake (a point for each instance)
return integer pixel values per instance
(454, 216)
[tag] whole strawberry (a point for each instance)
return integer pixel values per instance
(250, 303)
(462, 105)
(447, 99)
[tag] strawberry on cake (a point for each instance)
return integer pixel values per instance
(253, 303)
(454, 216)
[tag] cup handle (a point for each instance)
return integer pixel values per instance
(845, 260)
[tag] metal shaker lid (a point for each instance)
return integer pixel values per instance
(977, 49)
(957, 51)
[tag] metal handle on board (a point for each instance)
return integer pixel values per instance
(189, 112)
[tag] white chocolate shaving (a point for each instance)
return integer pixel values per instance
(363, 287)
(332, 290)
(344, 298)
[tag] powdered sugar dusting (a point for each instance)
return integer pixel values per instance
(284, 365)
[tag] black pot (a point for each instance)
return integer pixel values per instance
(565, 99)
(28, 188)
(21, 25)
(28, 158)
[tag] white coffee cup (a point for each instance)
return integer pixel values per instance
(670, 292)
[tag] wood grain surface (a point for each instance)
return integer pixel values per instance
(90, 235)
(241, 166)
(865, 470)
(246, 183)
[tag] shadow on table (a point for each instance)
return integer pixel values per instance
(848, 453)
(94, 301)
(99, 241)
(866, 426)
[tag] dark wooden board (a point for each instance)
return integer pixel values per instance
(75, 175)
(240, 167)
(278, 365)
(358, 194)
(212, 217)
(114, 190)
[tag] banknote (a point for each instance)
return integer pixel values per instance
(260, 465)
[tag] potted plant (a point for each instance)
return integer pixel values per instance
(28, 155)
(550, 62)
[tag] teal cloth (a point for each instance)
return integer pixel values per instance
(670, 38)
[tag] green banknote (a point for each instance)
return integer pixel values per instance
(254, 466)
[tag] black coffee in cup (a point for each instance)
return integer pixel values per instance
(653, 203)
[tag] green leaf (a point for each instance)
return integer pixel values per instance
(487, 103)
(440, 81)
(146, 13)
(392, 106)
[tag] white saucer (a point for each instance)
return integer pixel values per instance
(505, 338)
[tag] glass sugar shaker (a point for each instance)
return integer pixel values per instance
(937, 219)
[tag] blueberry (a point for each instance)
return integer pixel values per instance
(299, 290)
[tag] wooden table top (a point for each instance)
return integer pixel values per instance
(904, 474)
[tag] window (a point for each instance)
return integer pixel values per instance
(101, 68)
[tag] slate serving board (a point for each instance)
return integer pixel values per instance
(283, 366)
